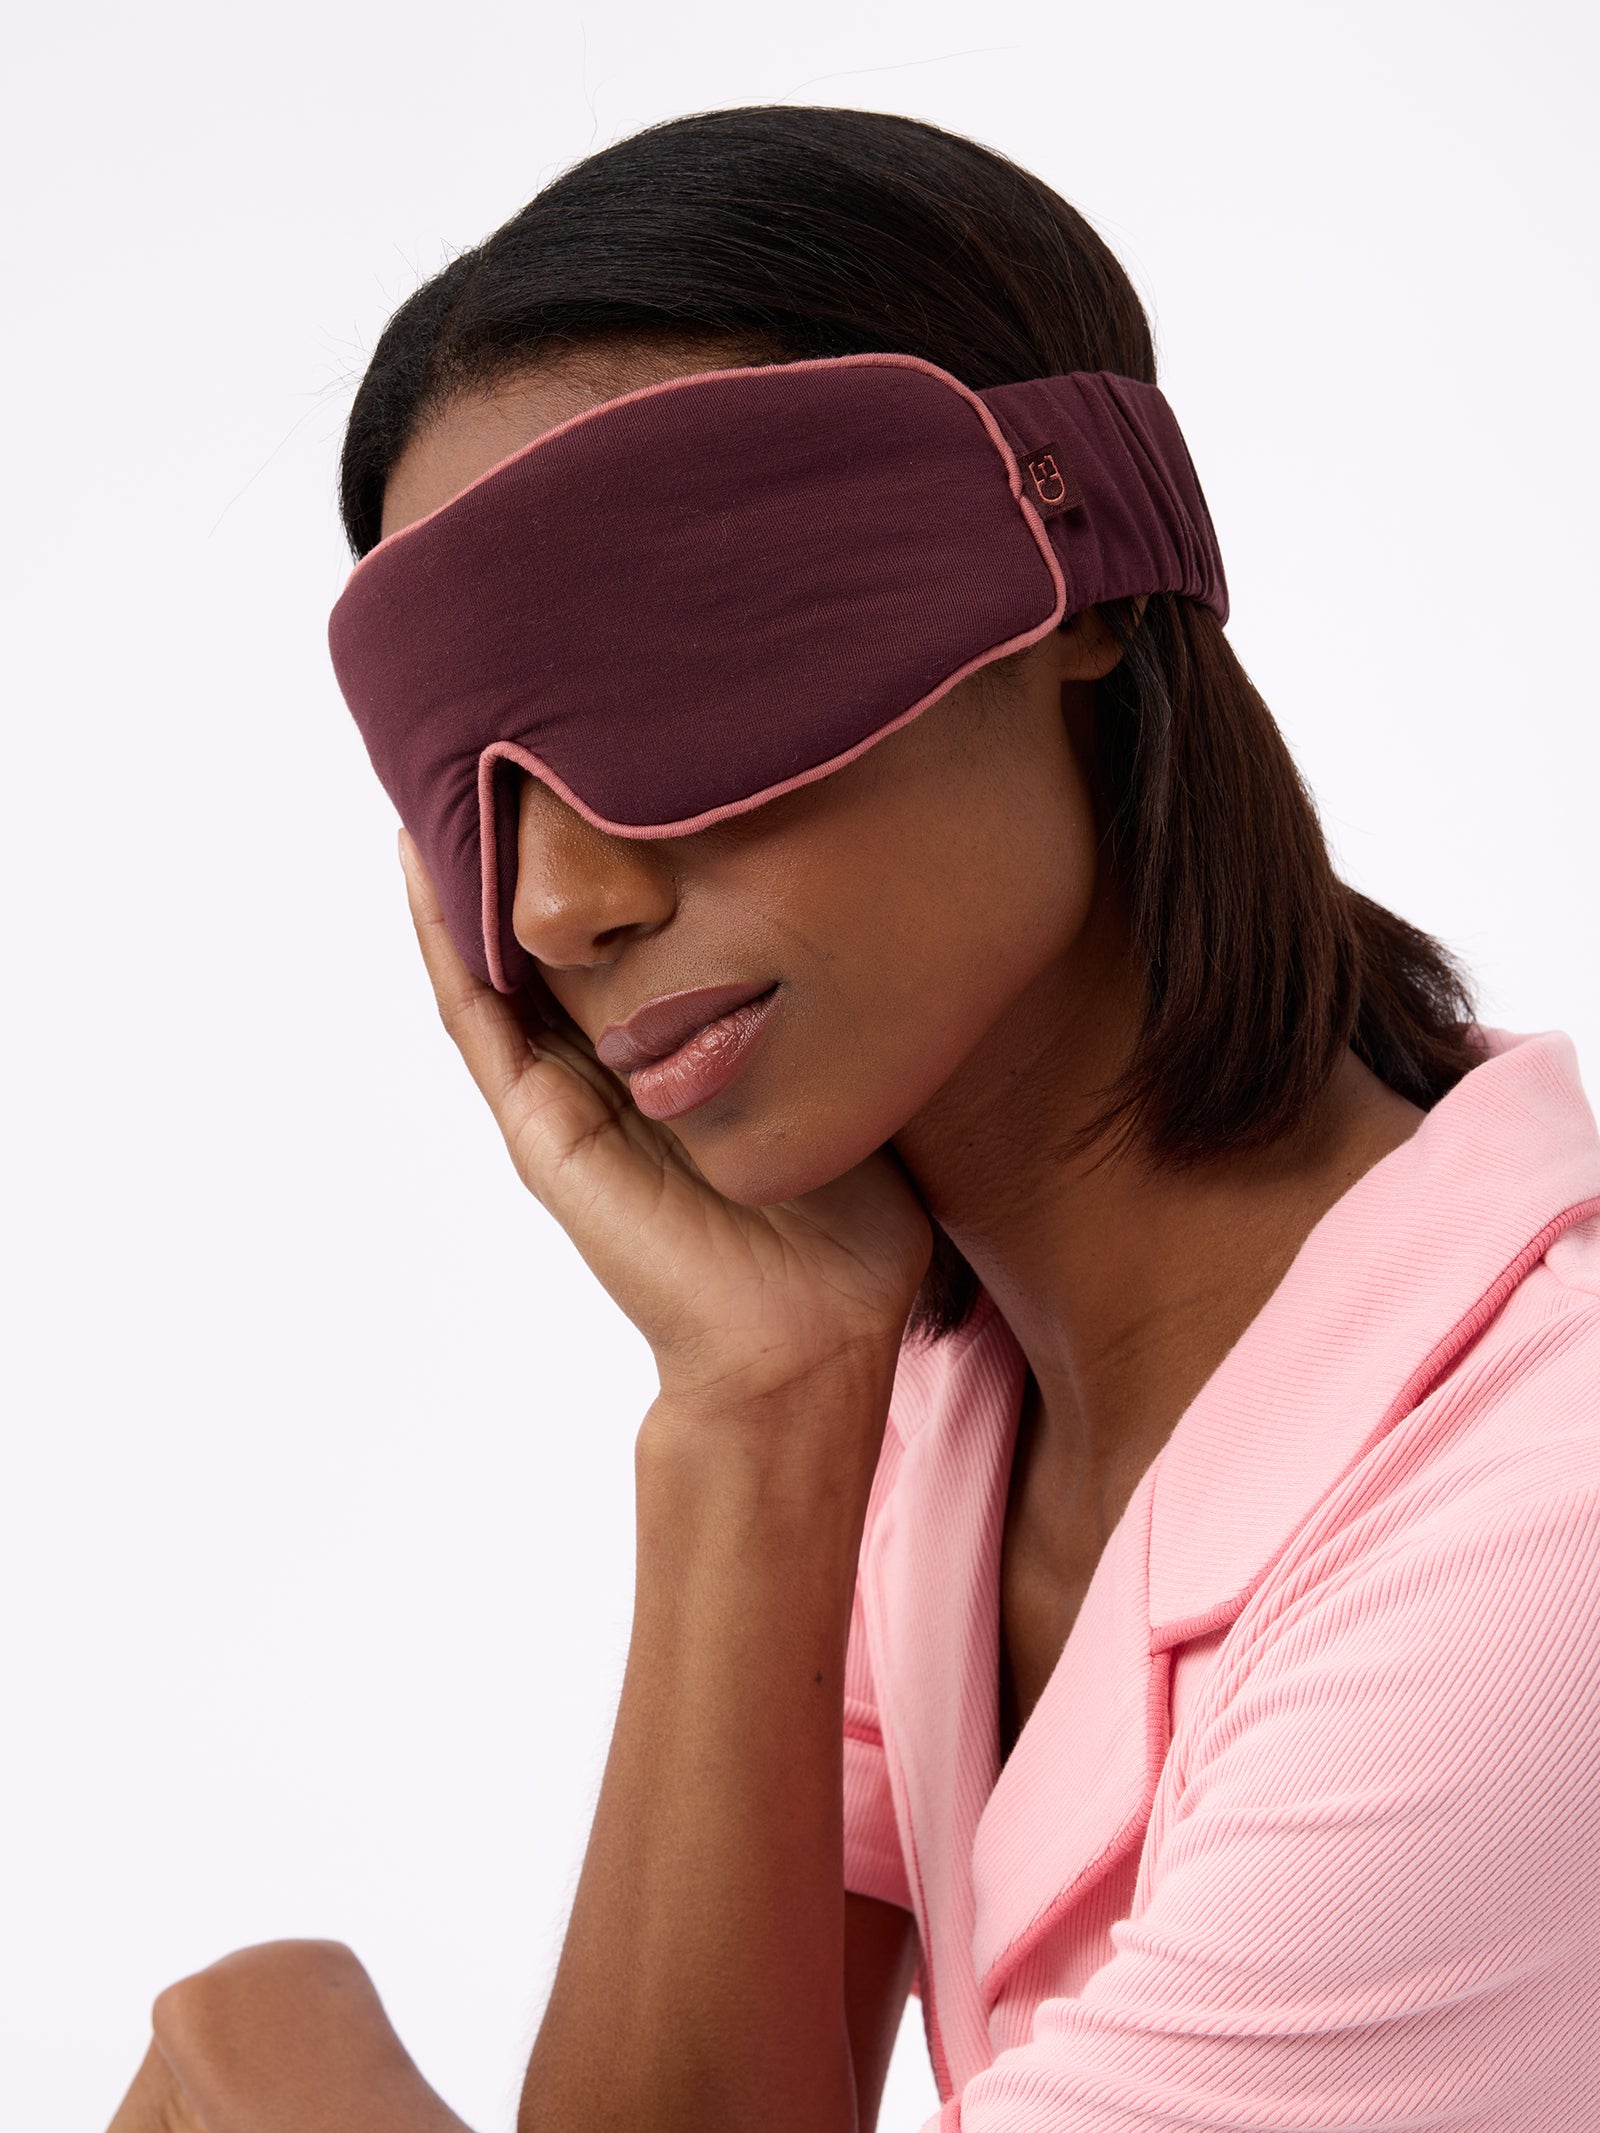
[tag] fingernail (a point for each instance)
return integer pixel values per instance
(401, 841)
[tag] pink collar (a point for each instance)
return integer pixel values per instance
(1390, 1287)
(1388, 1290)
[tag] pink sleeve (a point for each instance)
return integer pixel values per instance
(873, 1864)
(1370, 1894)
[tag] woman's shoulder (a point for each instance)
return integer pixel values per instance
(1525, 1394)
(1480, 1507)
(1572, 1264)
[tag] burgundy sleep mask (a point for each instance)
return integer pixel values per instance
(690, 599)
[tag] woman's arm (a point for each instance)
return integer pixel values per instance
(714, 1972)
(222, 2023)
(702, 1980)
(701, 1984)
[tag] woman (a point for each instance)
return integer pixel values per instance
(1116, 1534)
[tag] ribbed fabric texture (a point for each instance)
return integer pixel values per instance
(1304, 1832)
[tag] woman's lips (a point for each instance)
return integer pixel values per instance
(704, 1064)
(661, 1025)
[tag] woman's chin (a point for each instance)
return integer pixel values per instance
(755, 1170)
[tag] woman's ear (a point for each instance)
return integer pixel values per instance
(1085, 647)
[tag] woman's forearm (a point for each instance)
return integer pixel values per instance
(701, 1980)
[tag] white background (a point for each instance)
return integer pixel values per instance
(315, 1571)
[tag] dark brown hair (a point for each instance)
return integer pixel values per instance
(808, 231)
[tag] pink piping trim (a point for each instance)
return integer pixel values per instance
(667, 385)
(512, 751)
(1165, 1635)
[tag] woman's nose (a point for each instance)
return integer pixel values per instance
(580, 890)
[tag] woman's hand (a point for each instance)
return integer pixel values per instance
(286, 2037)
(736, 1302)
(157, 2102)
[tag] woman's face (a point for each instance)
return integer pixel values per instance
(921, 911)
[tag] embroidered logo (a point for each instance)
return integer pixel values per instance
(1046, 483)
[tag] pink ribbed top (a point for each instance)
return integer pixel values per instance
(1304, 1831)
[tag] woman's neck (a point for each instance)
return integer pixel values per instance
(1126, 1284)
